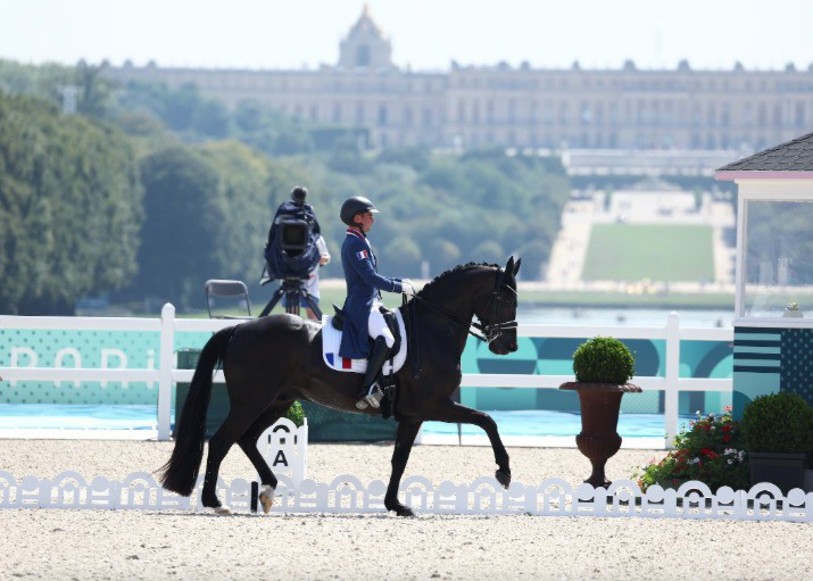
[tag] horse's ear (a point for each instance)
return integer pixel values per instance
(512, 267)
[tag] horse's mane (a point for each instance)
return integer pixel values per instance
(460, 267)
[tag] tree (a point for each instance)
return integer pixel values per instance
(402, 258)
(488, 251)
(95, 91)
(70, 206)
(243, 182)
(442, 255)
(184, 234)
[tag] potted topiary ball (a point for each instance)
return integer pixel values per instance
(778, 433)
(296, 414)
(603, 367)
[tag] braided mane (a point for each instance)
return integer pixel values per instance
(458, 268)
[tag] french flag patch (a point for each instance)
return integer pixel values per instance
(363, 255)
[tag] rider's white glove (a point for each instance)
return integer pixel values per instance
(407, 287)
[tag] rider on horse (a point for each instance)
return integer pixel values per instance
(361, 307)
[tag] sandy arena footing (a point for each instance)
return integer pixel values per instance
(108, 544)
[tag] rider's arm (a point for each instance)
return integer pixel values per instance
(359, 259)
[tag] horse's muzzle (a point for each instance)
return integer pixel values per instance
(503, 347)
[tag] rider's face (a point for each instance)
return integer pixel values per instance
(365, 221)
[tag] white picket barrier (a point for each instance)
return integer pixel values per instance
(166, 374)
(346, 494)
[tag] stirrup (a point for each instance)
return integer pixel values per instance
(372, 399)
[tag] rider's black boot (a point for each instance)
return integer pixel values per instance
(372, 393)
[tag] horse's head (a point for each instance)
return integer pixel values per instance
(498, 312)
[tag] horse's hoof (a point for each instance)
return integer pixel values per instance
(223, 511)
(267, 499)
(503, 478)
(403, 511)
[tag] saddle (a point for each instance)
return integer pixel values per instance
(339, 317)
(331, 340)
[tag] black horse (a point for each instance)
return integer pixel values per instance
(272, 361)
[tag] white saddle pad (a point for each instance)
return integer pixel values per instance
(331, 339)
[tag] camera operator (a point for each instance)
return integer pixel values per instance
(300, 253)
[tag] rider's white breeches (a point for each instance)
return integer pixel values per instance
(377, 326)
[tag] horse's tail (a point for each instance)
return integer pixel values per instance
(180, 473)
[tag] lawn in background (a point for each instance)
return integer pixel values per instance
(634, 252)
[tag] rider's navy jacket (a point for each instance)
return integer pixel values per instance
(363, 287)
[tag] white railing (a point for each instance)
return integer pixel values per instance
(166, 374)
(671, 383)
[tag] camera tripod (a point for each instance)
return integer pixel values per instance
(293, 289)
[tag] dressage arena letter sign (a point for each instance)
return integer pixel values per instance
(280, 459)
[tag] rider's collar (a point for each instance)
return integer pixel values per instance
(357, 232)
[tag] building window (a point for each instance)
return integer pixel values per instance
(800, 115)
(382, 114)
(563, 113)
(711, 115)
(363, 56)
(586, 114)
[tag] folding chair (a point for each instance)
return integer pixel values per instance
(226, 288)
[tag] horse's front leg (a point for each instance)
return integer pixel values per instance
(446, 410)
(404, 439)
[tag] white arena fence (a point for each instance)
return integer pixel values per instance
(284, 447)
(484, 496)
(165, 375)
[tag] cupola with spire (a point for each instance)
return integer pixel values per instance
(365, 45)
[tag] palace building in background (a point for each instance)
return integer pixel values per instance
(522, 107)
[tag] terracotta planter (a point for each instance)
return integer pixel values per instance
(599, 439)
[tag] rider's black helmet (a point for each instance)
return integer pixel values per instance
(355, 205)
(298, 194)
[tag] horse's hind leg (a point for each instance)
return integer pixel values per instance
(220, 444)
(248, 443)
(453, 412)
(404, 439)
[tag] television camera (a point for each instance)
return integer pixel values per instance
(291, 255)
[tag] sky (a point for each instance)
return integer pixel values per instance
(427, 35)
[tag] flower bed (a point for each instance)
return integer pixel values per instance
(710, 451)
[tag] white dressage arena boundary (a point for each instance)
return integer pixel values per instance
(284, 446)
(347, 495)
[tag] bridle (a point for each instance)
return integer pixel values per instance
(492, 331)
(485, 331)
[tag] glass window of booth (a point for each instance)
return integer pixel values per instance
(778, 259)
